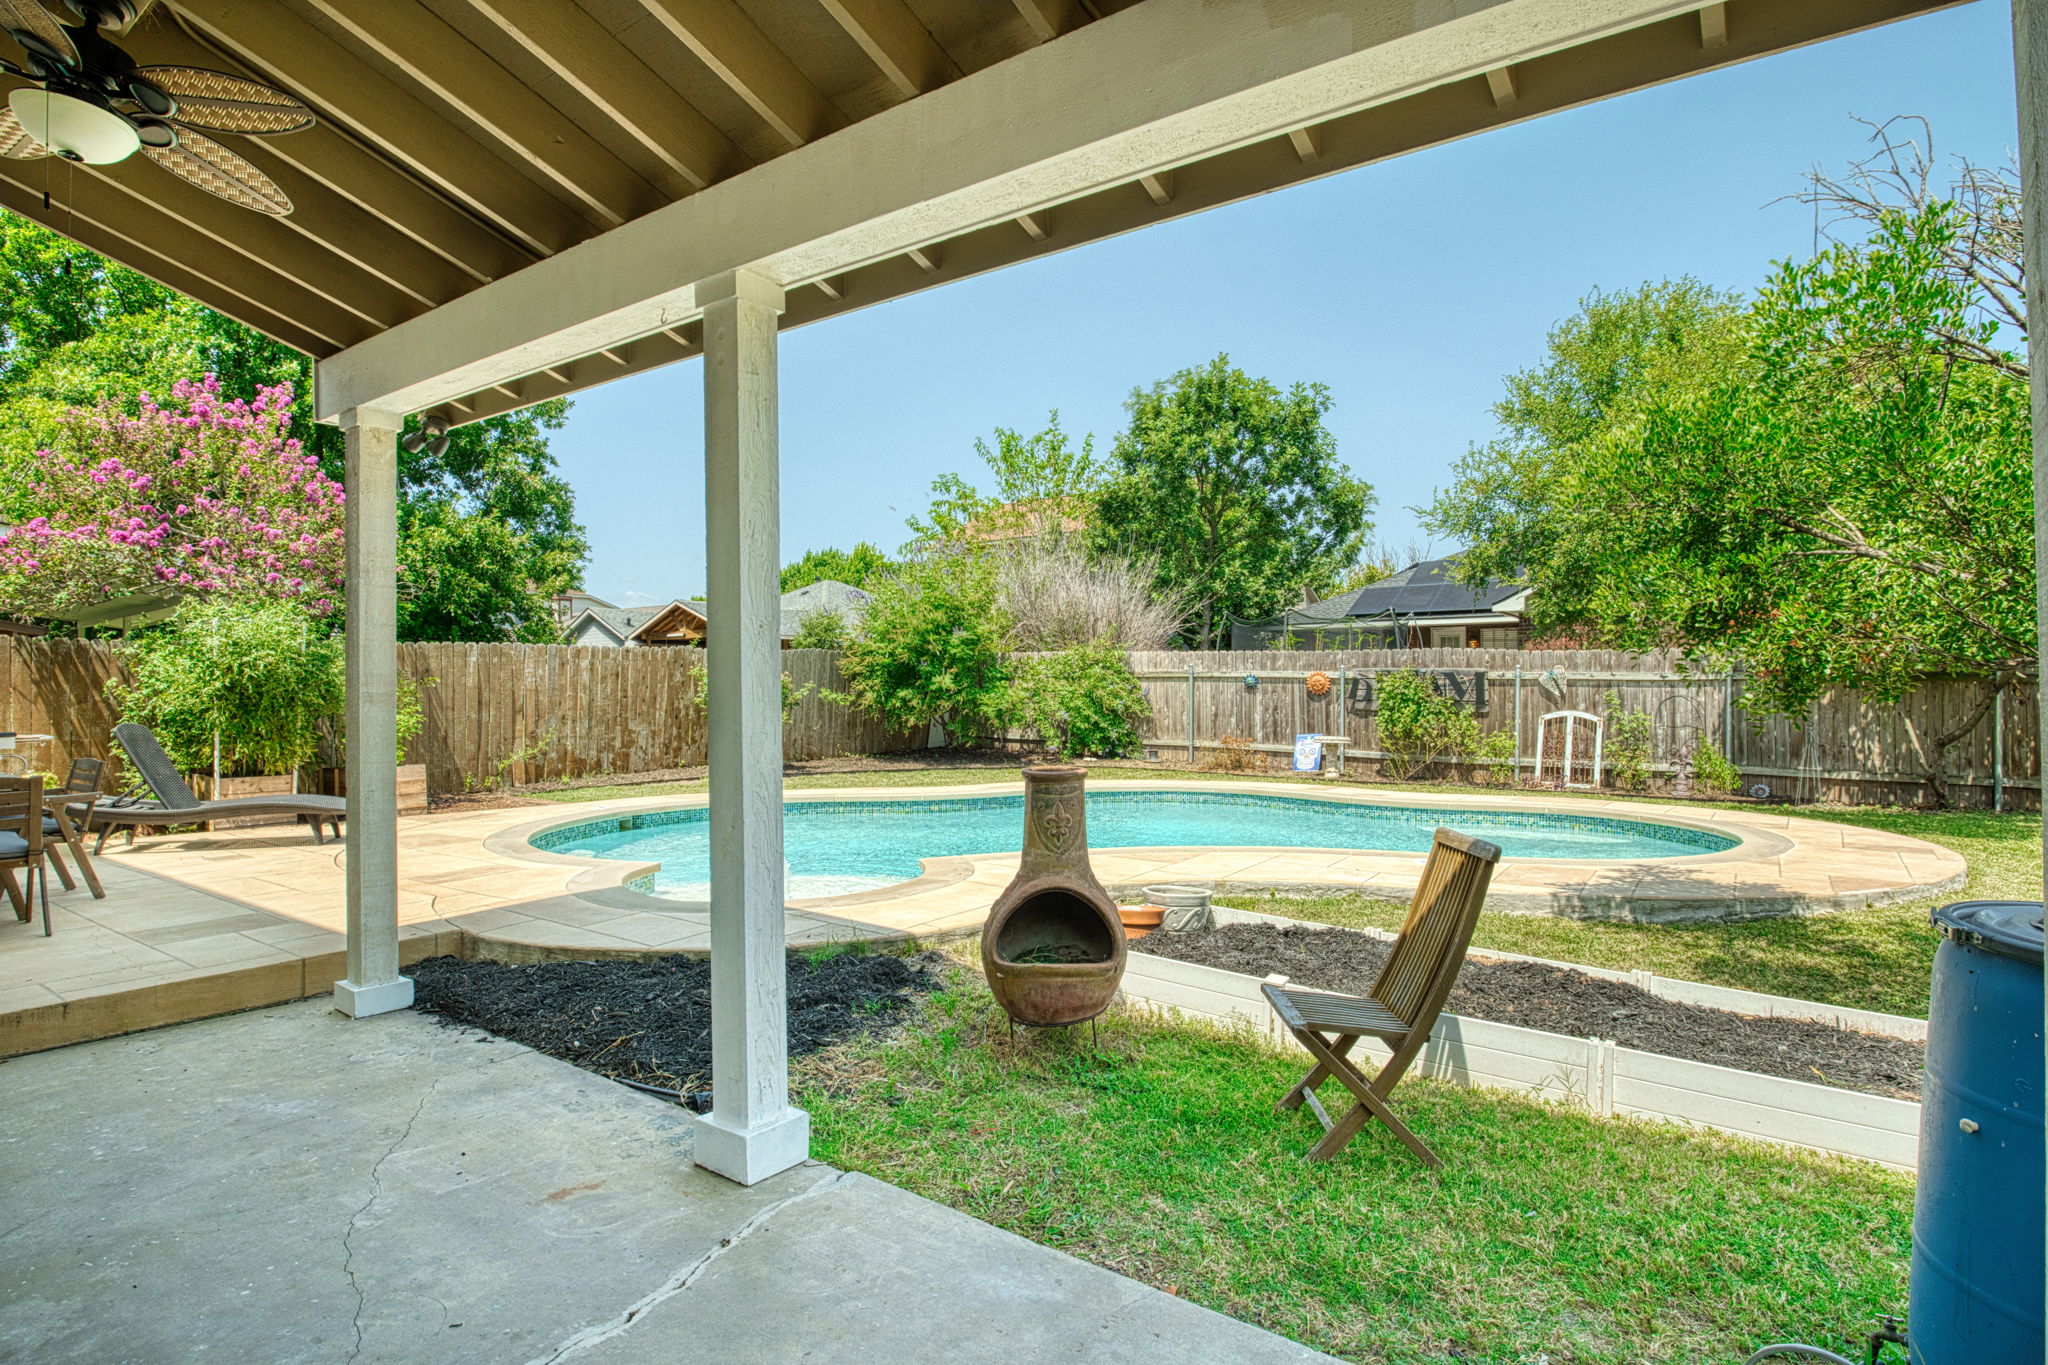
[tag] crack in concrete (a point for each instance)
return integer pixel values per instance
(348, 1256)
(602, 1332)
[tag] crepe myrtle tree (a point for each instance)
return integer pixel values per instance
(201, 497)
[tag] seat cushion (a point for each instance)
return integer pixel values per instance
(12, 846)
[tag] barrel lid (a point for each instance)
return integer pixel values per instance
(2009, 928)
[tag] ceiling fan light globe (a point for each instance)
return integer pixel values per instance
(73, 128)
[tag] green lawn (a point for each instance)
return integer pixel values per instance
(1550, 1235)
(1871, 959)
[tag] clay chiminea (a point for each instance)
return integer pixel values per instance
(1053, 946)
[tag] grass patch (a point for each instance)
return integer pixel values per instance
(1550, 1235)
(1877, 959)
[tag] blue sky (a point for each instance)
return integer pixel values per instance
(1409, 288)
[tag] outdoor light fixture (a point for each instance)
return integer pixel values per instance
(74, 129)
(431, 435)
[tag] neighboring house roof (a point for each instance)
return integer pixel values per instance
(1421, 591)
(828, 594)
(651, 624)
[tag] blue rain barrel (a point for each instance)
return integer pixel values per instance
(1977, 1218)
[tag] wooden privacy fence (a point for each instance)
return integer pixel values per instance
(495, 714)
(1846, 748)
(516, 714)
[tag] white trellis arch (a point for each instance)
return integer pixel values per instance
(1569, 743)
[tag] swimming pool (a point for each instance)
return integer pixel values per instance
(836, 848)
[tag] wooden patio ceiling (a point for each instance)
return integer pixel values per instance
(461, 141)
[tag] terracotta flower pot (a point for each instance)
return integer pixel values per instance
(1140, 920)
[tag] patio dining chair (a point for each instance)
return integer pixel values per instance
(68, 822)
(21, 847)
(1401, 1008)
(174, 803)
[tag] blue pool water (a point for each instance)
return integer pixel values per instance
(838, 847)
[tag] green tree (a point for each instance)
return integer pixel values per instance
(487, 531)
(1845, 502)
(1511, 500)
(1045, 488)
(852, 567)
(1233, 488)
(934, 646)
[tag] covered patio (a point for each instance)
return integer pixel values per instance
(512, 200)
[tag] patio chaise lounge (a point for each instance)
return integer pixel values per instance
(176, 805)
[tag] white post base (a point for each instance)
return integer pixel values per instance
(360, 1002)
(750, 1157)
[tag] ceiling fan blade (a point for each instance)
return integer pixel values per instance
(31, 17)
(221, 103)
(15, 141)
(213, 168)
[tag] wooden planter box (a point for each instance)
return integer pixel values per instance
(231, 787)
(412, 786)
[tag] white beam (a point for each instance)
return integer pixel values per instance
(752, 1131)
(370, 851)
(1500, 83)
(1055, 123)
(1307, 145)
(1158, 187)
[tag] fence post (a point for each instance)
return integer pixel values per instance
(1518, 723)
(1343, 721)
(1728, 715)
(1191, 715)
(1998, 750)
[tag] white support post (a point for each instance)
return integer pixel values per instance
(752, 1131)
(370, 853)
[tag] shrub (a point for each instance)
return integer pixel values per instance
(934, 646)
(1083, 700)
(1711, 770)
(1056, 597)
(1419, 725)
(822, 629)
(1235, 754)
(1628, 745)
(261, 675)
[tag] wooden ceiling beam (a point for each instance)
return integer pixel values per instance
(286, 49)
(719, 34)
(437, 57)
(1050, 18)
(341, 225)
(93, 214)
(269, 242)
(896, 42)
(376, 186)
(643, 106)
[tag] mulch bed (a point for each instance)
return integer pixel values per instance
(1559, 1001)
(651, 1021)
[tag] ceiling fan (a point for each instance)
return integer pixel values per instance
(93, 104)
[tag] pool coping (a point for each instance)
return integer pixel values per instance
(1782, 865)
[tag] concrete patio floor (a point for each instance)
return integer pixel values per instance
(287, 1185)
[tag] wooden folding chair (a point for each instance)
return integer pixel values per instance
(1402, 1006)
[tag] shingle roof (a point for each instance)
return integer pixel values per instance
(826, 595)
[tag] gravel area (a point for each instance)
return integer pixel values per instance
(1562, 1001)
